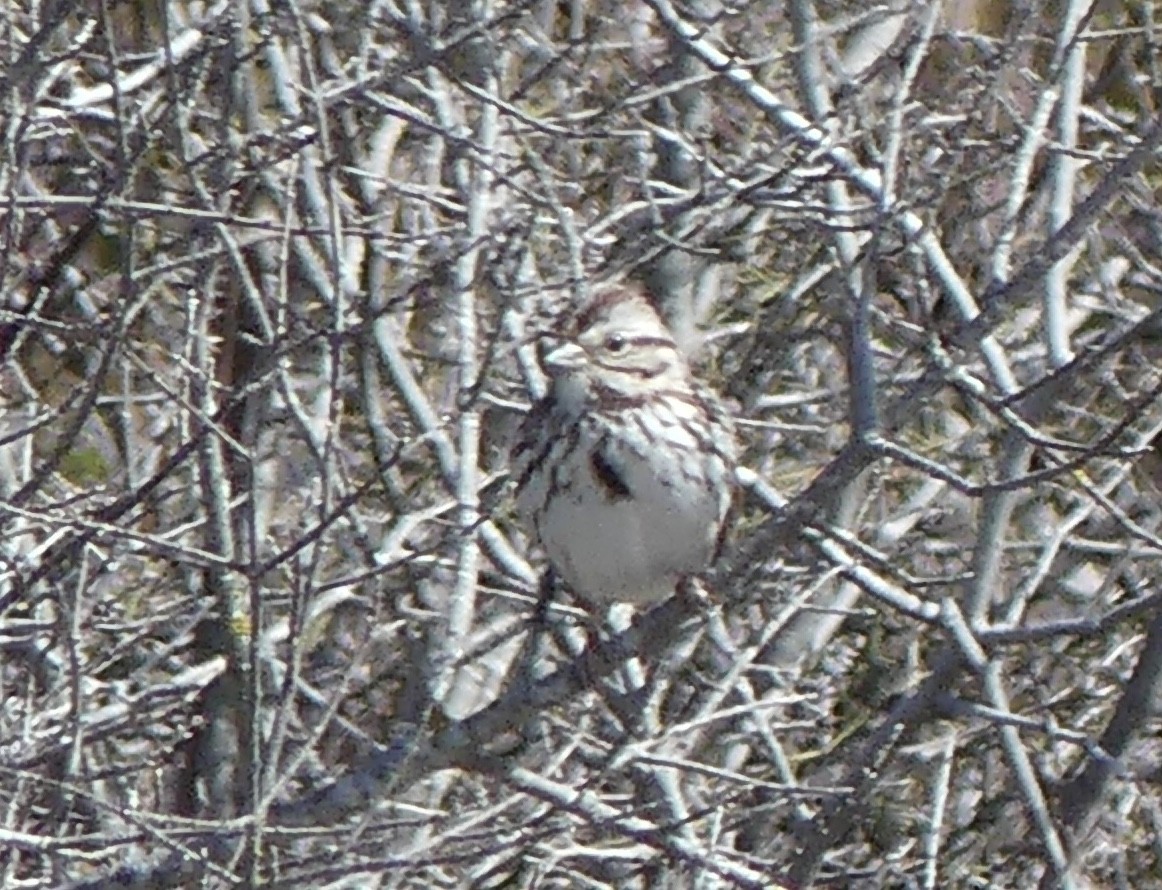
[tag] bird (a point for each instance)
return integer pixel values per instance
(625, 468)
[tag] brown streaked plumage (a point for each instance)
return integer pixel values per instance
(624, 470)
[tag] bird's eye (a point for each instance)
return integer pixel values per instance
(615, 343)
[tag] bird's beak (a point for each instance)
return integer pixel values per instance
(566, 357)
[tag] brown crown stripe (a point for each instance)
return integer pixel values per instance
(601, 302)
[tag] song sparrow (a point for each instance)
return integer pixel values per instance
(624, 470)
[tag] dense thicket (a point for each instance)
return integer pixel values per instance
(272, 273)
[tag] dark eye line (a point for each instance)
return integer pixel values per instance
(641, 340)
(643, 373)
